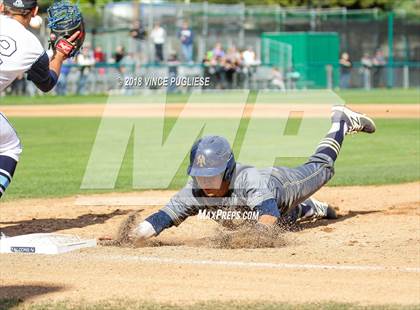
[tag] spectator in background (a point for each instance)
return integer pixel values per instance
(158, 36)
(85, 61)
(99, 57)
(345, 70)
(128, 67)
(277, 79)
(61, 88)
(249, 57)
(293, 77)
(210, 69)
(379, 63)
(173, 64)
(218, 63)
(186, 35)
(138, 34)
(232, 63)
(218, 51)
(249, 64)
(366, 63)
(118, 56)
(128, 64)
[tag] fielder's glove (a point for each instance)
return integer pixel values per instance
(64, 20)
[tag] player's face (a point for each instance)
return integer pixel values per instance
(212, 186)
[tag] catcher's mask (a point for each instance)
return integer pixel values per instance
(64, 19)
(211, 156)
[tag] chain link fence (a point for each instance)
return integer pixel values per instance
(361, 32)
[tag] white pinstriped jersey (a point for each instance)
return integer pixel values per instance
(19, 50)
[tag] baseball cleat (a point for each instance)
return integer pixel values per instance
(331, 214)
(356, 122)
(318, 210)
(311, 209)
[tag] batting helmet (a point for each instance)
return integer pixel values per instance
(211, 156)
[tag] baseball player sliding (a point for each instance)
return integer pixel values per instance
(21, 51)
(276, 193)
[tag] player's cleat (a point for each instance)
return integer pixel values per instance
(311, 209)
(331, 214)
(315, 209)
(356, 122)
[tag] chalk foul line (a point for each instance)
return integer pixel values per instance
(243, 264)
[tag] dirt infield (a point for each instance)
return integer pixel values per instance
(369, 255)
(203, 110)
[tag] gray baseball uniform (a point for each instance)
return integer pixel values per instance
(249, 188)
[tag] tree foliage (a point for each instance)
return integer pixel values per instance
(92, 7)
(351, 4)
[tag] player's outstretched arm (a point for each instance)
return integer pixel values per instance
(179, 208)
(44, 73)
(67, 36)
(144, 231)
(268, 212)
(152, 226)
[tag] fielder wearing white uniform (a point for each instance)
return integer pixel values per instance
(20, 52)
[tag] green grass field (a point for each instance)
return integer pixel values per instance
(56, 154)
(400, 96)
(57, 151)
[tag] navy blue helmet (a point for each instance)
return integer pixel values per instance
(21, 4)
(211, 156)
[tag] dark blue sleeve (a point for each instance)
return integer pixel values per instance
(268, 207)
(160, 221)
(40, 73)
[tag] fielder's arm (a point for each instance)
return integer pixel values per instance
(44, 73)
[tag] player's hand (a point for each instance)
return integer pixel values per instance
(267, 219)
(73, 36)
(65, 47)
(266, 232)
(143, 231)
(53, 37)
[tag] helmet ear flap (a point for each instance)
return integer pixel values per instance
(193, 153)
(230, 168)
